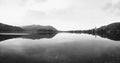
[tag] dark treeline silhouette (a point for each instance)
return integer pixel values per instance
(31, 29)
(44, 31)
(10, 29)
(111, 31)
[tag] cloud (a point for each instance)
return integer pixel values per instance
(51, 5)
(52, 12)
(113, 7)
(12, 11)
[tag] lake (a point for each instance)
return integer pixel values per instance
(58, 48)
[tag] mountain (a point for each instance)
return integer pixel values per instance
(4, 28)
(39, 29)
(33, 29)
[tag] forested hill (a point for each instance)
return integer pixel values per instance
(4, 28)
(111, 28)
(39, 29)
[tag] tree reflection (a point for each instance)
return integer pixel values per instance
(39, 36)
(6, 37)
(115, 37)
(32, 36)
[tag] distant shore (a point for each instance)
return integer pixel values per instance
(14, 33)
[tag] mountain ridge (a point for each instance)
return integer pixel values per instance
(4, 28)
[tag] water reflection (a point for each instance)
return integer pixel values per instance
(111, 36)
(39, 36)
(114, 37)
(33, 36)
(84, 49)
(6, 37)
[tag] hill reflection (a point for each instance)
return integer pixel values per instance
(115, 37)
(39, 36)
(6, 37)
(33, 36)
(111, 36)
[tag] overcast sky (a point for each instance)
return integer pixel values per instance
(62, 14)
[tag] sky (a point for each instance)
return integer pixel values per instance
(62, 14)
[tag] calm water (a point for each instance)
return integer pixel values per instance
(59, 48)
